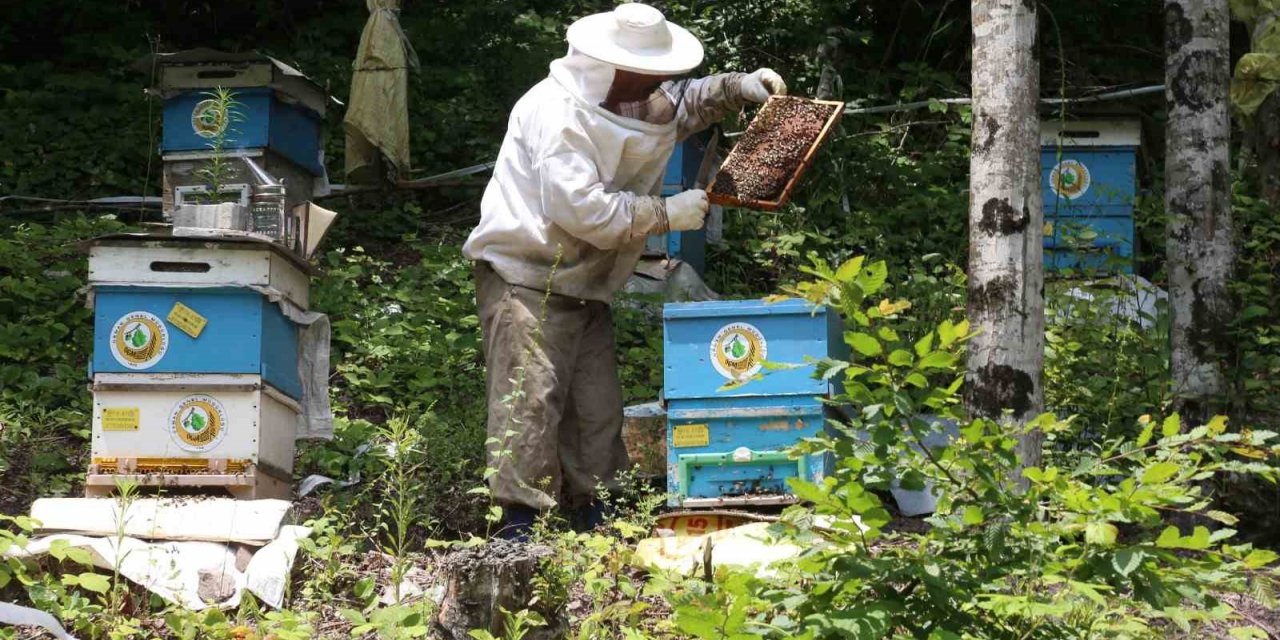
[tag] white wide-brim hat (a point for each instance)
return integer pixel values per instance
(636, 37)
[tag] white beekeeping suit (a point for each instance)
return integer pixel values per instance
(563, 223)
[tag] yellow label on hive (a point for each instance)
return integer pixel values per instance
(121, 418)
(690, 435)
(186, 319)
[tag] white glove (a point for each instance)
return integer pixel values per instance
(762, 83)
(687, 210)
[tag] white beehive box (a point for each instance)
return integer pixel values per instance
(125, 260)
(231, 431)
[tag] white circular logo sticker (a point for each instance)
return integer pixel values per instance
(207, 119)
(738, 351)
(198, 423)
(1070, 179)
(139, 340)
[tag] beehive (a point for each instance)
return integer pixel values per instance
(228, 431)
(195, 364)
(275, 119)
(1088, 182)
(729, 421)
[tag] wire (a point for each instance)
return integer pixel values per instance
(1110, 95)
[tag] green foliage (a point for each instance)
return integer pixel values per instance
(45, 327)
(221, 116)
(1082, 326)
(46, 331)
(1085, 550)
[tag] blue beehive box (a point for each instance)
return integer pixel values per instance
(236, 331)
(1088, 181)
(279, 108)
(728, 446)
(681, 174)
(265, 121)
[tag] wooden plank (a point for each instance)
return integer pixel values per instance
(254, 484)
(805, 163)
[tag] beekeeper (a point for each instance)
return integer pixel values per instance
(563, 223)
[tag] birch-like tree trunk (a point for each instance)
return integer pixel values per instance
(1200, 249)
(1006, 264)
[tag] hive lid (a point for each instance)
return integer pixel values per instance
(169, 240)
(719, 308)
(1091, 133)
(207, 68)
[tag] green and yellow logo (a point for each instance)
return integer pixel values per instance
(139, 340)
(1070, 179)
(208, 119)
(738, 351)
(198, 423)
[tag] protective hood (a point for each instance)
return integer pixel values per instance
(583, 76)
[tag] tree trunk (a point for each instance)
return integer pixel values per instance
(1006, 263)
(1266, 148)
(483, 585)
(1200, 249)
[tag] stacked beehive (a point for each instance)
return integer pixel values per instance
(729, 428)
(275, 119)
(195, 371)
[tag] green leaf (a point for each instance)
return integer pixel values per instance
(94, 582)
(1171, 426)
(937, 360)
(863, 343)
(1247, 633)
(946, 333)
(1217, 425)
(1148, 430)
(1126, 561)
(364, 587)
(973, 515)
(79, 555)
(924, 345)
(849, 270)
(1100, 533)
(873, 277)
(1223, 517)
(1089, 591)
(1170, 538)
(1159, 472)
(901, 358)
(1259, 558)
(1199, 539)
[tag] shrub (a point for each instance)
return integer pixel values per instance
(1084, 549)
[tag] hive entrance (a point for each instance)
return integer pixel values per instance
(775, 150)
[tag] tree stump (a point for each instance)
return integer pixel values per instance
(481, 582)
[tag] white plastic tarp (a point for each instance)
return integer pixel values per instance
(253, 522)
(191, 574)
